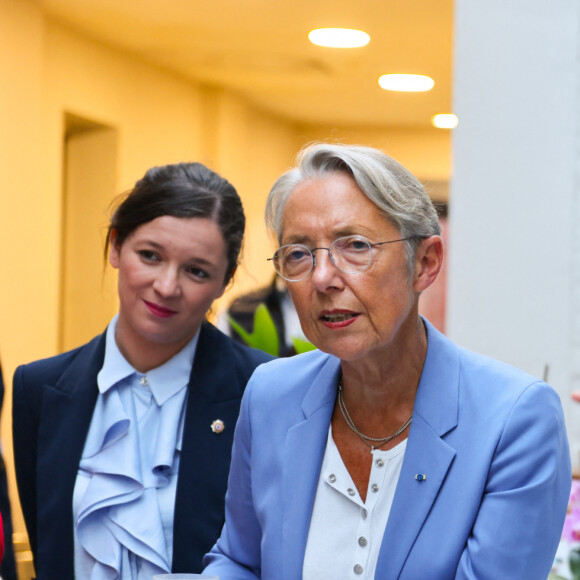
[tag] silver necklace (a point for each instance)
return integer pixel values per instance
(376, 442)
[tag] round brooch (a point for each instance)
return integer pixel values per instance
(218, 426)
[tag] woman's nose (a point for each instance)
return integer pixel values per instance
(325, 274)
(167, 282)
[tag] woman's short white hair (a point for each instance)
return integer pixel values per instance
(384, 181)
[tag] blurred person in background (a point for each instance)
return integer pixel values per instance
(277, 300)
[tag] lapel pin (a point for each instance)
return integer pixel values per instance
(420, 477)
(218, 426)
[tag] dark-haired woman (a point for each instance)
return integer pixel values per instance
(122, 446)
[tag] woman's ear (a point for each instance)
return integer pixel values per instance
(114, 249)
(428, 262)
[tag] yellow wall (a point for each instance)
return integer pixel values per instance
(424, 152)
(48, 71)
(88, 293)
(251, 149)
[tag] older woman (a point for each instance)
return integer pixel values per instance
(390, 452)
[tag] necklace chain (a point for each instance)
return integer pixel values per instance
(376, 442)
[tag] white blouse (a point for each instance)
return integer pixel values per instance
(345, 533)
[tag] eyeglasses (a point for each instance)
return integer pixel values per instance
(350, 254)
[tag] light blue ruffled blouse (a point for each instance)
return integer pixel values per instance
(124, 494)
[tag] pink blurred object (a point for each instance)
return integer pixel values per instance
(571, 530)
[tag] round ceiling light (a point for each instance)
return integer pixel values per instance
(445, 121)
(407, 83)
(338, 37)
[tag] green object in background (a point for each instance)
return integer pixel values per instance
(302, 345)
(574, 561)
(265, 336)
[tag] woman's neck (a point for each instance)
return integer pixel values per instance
(394, 372)
(144, 355)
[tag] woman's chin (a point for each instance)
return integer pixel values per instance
(344, 349)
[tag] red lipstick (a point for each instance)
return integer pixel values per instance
(160, 311)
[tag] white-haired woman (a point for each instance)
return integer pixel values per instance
(390, 452)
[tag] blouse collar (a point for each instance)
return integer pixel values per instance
(164, 381)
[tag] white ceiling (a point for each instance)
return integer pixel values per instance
(260, 49)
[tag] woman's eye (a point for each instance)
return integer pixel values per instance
(354, 245)
(197, 272)
(295, 255)
(148, 255)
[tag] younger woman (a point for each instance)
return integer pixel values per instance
(122, 446)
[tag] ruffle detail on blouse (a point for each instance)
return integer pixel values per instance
(124, 463)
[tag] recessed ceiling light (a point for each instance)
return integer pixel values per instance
(338, 37)
(408, 83)
(445, 121)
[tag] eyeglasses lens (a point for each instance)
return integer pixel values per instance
(351, 254)
(293, 262)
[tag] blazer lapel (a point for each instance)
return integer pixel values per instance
(215, 389)
(304, 451)
(427, 454)
(67, 408)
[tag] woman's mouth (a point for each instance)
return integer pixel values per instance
(160, 311)
(338, 319)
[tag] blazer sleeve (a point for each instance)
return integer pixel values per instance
(522, 511)
(236, 555)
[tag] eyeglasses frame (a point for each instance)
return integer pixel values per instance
(311, 251)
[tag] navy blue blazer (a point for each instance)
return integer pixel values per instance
(53, 404)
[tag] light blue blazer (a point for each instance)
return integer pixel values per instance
(489, 438)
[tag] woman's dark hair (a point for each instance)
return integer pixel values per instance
(183, 190)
